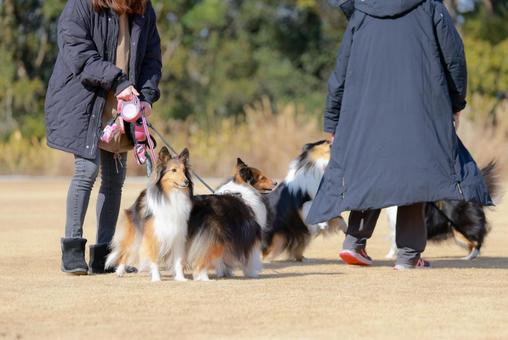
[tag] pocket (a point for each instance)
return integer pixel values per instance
(334, 183)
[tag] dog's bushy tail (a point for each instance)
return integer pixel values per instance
(200, 247)
(114, 255)
(491, 175)
(120, 236)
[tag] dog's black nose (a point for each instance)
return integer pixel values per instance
(185, 182)
(275, 184)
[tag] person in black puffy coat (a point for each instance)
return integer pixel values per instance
(108, 51)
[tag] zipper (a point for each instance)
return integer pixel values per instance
(460, 189)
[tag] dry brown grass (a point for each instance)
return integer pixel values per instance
(264, 139)
(317, 299)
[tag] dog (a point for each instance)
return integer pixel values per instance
(154, 231)
(464, 221)
(290, 202)
(225, 228)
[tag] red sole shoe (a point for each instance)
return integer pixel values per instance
(353, 258)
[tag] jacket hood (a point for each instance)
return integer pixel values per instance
(386, 8)
(347, 7)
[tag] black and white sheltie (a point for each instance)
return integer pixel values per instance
(225, 228)
(290, 202)
(154, 230)
(465, 221)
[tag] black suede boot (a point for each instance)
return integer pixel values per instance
(98, 256)
(73, 256)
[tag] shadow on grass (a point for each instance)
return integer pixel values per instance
(307, 262)
(238, 276)
(484, 262)
(276, 275)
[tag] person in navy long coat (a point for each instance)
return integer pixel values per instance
(400, 78)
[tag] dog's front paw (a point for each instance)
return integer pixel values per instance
(203, 279)
(180, 278)
(472, 255)
(120, 271)
(156, 277)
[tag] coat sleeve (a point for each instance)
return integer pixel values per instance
(151, 66)
(336, 83)
(80, 53)
(452, 52)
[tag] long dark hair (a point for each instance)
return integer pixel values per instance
(121, 6)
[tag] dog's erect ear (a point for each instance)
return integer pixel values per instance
(184, 156)
(247, 175)
(164, 155)
(240, 163)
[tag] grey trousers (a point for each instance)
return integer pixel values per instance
(113, 169)
(410, 231)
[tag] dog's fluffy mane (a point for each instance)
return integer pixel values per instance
(251, 197)
(304, 175)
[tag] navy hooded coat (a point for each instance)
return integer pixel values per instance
(400, 76)
(84, 72)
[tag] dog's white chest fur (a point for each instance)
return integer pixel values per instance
(171, 215)
(250, 197)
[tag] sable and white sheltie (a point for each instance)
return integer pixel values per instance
(225, 228)
(464, 221)
(290, 202)
(154, 231)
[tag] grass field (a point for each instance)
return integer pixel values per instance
(320, 298)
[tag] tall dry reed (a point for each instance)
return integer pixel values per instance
(263, 138)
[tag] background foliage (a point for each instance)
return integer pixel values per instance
(220, 56)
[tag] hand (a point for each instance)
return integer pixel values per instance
(456, 119)
(127, 94)
(146, 107)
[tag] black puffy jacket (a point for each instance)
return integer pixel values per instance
(84, 73)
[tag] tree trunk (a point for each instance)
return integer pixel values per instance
(488, 6)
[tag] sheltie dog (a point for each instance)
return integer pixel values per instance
(290, 202)
(154, 231)
(464, 221)
(225, 228)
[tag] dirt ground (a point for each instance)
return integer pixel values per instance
(320, 298)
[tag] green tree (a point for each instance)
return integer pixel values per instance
(27, 52)
(220, 55)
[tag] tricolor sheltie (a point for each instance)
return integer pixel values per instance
(290, 202)
(464, 221)
(225, 228)
(154, 231)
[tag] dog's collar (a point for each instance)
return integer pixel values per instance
(231, 193)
